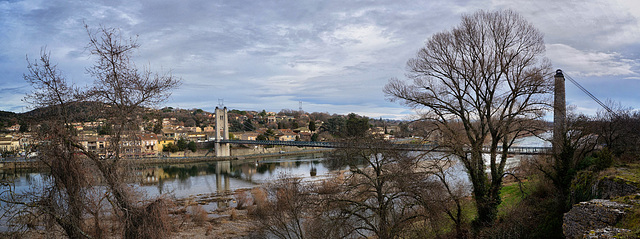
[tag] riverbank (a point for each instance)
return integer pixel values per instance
(23, 163)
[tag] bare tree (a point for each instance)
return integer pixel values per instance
(62, 196)
(618, 130)
(119, 93)
(578, 142)
(483, 82)
(286, 211)
(293, 208)
(386, 192)
(441, 194)
(124, 91)
(373, 195)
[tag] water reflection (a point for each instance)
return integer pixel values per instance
(183, 180)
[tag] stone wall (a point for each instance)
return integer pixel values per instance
(597, 216)
(612, 187)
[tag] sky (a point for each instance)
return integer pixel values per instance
(332, 56)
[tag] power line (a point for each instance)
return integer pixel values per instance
(589, 94)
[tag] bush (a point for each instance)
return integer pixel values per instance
(241, 200)
(603, 159)
(170, 147)
(259, 196)
(192, 146)
(198, 215)
(582, 187)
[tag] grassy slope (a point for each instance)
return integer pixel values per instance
(511, 195)
(629, 173)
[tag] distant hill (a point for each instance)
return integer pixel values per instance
(7, 115)
(82, 111)
(8, 118)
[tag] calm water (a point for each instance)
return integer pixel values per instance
(196, 180)
(183, 180)
(205, 178)
(187, 180)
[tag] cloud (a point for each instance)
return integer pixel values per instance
(331, 54)
(590, 63)
(594, 24)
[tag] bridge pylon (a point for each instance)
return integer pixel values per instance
(222, 132)
(559, 112)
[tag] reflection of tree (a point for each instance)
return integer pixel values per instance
(183, 173)
(160, 185)
(211, 168)
(262, 168)
(313, 171)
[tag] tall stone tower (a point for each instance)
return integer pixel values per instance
(222, 132)
(559, 112)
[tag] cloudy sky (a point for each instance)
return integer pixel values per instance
(333, 56)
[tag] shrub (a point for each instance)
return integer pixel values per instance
(582, 187)
(603, 159)
(241, 200)
(259, 196)
(198, 215)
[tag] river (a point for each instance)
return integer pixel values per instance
(183, 180)
(219, 177)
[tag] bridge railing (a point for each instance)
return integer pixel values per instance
(399, 146)
(284, 143)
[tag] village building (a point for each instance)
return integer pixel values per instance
(9, 143)
(149, 145)
(13, 128)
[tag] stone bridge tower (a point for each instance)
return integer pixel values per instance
(222, 132)
(559, 112)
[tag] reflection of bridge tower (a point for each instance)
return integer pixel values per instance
(222, 132)
(559, 112)
(223, 168)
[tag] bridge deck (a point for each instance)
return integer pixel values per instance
(399, 146)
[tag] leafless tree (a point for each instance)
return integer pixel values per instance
(296, 209)
(578, 142)
(288, 206)
(124, 90)
(618, 130)
(441, 193)
(483, 82)
(61, 197)
(119, 93)
(386, 193)
(373, 194)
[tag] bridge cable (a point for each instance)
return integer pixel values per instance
(589, 94)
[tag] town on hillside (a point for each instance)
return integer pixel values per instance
(170, 132)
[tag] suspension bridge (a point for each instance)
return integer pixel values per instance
(391, 145)
(222, 143)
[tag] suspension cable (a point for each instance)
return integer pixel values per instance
(589, 94)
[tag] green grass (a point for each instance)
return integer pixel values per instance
(632, 219)
(444, 226)
(631, 174)
(511, 195)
